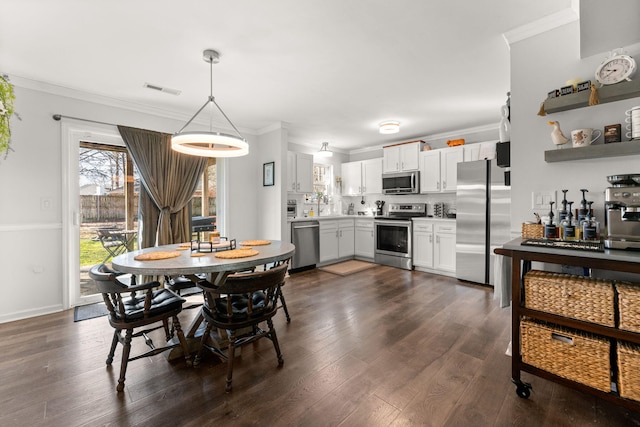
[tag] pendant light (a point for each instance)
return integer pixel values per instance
(390, 126)
(324, 151)
(210, 143)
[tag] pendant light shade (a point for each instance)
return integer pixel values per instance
(324, 151)
(210, 143)
(390, 126)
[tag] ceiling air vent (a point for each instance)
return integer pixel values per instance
(162, 89)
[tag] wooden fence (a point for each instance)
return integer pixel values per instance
(111, 208)
(105, 208)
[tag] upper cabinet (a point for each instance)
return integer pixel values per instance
(439, 169)
(362, 177)
(299, 172)
(402, 157)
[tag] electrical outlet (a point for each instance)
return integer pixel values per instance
(45, 203)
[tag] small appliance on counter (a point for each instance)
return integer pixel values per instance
(292, 209)
(439, 210)
(350, 210)
(379, 205)
(622, 212)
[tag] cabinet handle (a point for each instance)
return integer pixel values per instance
(293, 185)
(336, 233)
(397, 166)
(298, 186)
(444, 185)
(437, 185)
(438, 239)
(430, 238)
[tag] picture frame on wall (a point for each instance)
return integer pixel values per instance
(268, 174)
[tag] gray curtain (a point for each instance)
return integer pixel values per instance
(168, 181)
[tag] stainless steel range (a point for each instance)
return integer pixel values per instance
(393, 232)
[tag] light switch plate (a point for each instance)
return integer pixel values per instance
(540, 200)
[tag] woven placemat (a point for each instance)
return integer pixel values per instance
(255, 242)
(236, 253)
(155, 256)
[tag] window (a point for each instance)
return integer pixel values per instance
(322, 178)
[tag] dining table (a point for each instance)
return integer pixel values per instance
(194, 260)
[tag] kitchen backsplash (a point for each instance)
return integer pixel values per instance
(338, 205)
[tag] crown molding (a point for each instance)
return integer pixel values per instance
(96, 98)
(543, 25)
(445, 135)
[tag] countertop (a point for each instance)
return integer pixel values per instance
(608, 254)
(327, 217)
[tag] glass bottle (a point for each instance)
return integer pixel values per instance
(569, 226)
(590, 227)
(563, 213)
(582, 212)
(550, 231)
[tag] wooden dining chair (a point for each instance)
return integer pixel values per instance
(238, 306)
(283, 303)
(132, 306)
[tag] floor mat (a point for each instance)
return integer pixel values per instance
(89, 311)
(347, 267)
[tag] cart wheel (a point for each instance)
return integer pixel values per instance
(523, 391)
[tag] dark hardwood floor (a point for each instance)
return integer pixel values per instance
(384, 347)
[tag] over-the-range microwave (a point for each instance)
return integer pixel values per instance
(401, 183)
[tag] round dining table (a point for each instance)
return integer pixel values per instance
(192, 262)
(205, 262)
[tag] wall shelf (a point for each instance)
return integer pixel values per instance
(616, 92)
(593, 152)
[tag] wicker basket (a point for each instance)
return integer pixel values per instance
(570, 354)
(582, 298)
(629, 370)
(532, 231)
(629, 306)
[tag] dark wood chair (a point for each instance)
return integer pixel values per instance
(283, 303)
(141, 308)
(238, 306)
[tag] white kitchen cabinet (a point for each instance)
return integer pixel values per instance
(430, 180)
(362, 177)
(299, 172)
(471, 152)
(434, 246)
(439, 169)
(449, 159)
(364, 238)
(337, 239)
(402, 157)
(423, 244)
(445, 247)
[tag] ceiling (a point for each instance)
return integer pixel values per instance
(329, 70)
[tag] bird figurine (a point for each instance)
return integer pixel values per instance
(557, 136)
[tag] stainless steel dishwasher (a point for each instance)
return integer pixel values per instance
(305, 235)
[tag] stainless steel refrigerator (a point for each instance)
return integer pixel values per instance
(483, 210)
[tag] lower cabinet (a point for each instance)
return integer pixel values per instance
(337, 239)
(434, 246)
(364, 238)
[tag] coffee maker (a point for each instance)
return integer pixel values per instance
(622, 212)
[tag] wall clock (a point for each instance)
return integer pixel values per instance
(618, 67)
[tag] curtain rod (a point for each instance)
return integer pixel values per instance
(58, 117)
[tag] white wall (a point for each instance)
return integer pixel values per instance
(539, 65)
(31, 242)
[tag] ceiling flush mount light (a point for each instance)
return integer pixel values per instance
(210, 143)
(324, 151)
(390, 126)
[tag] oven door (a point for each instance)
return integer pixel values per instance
(393, 237)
